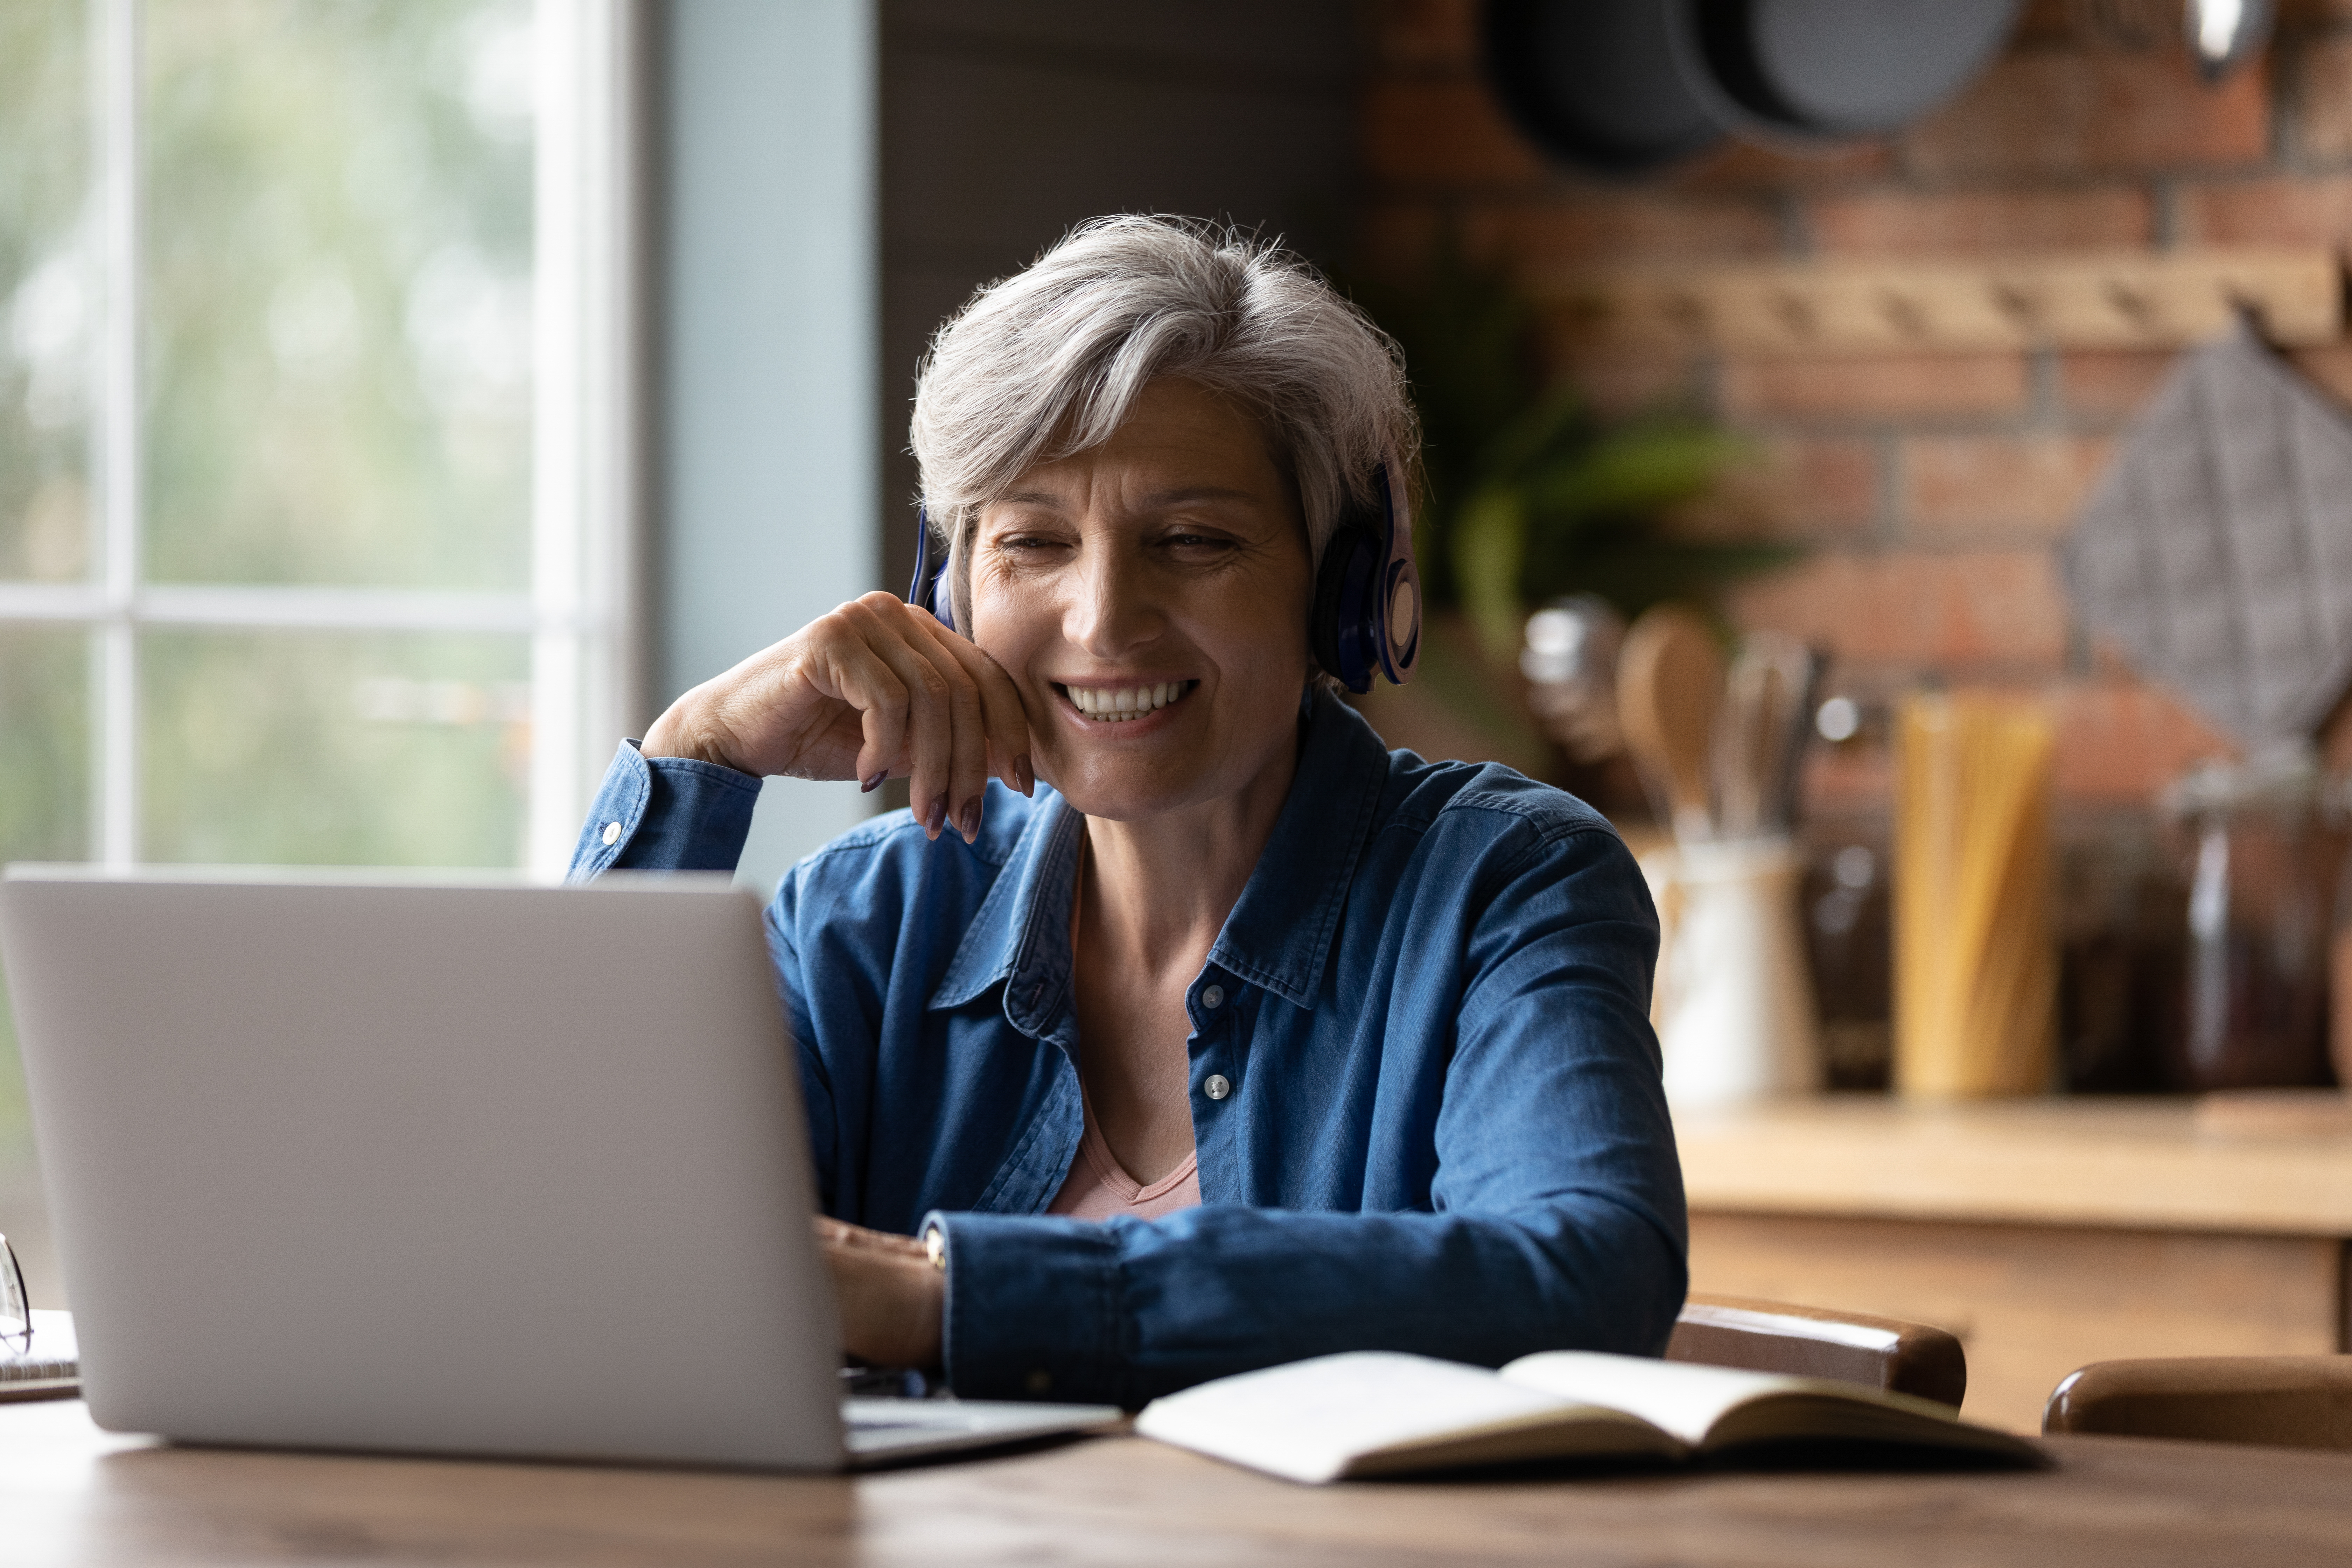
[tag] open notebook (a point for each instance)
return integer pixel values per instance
(51, 1366)
(1371, 1412)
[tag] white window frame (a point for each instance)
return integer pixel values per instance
(586, 473)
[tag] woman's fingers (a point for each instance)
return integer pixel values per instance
(1002, 713)
(875, 689)
(890, 1299)
(856, 674)
(946, 742)
(841, 1233)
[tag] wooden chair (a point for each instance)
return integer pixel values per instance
(2288, 1402)
(1809, 1341)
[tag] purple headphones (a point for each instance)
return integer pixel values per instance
(1367, 614)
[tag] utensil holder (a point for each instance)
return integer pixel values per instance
(1733, 1003)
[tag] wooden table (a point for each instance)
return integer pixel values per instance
(2044, 1233)
(72, 1495)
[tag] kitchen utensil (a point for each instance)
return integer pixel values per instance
(1760, 723)
(1733, 1001)
(1810, 72)
(1976, 963)
(1780, 798)
(1741, 747)
(1669, 685)
(2216, 553)
(1594, 83)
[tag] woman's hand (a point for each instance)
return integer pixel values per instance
(892, 1299)
(875, 689)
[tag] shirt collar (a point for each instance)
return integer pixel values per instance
(1280, 934)
(1022, 930)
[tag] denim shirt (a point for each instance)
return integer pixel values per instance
(1424, 1090)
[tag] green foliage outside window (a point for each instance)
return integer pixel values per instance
(338, 310)
(336, 216)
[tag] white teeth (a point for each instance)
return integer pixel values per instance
(1115, 704)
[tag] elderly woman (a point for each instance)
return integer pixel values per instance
(1210, 1035)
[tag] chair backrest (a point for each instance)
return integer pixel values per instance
(1811, 1342)
(2284, 1400)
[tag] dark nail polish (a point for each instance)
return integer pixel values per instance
(968, 819)
(935, 815)
(870, 785)
(1025, 774)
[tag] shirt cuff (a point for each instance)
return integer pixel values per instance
(665, 813)
(1032, 1308)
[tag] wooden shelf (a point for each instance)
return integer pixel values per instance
(2134, 1164)
(2109, 300)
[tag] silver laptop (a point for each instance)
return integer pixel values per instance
(419, 1166)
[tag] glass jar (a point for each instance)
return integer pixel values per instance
(1849, 943)
(2123, 927)
(2254, 1011)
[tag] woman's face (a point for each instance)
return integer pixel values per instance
(1150, 599)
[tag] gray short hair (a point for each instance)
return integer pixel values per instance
(1048, 362)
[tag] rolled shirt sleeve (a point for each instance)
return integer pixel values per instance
(665, 813)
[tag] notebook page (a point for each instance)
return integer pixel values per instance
(1678, 1396)
(1309, 1419)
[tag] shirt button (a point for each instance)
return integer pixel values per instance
(612, 833)
(1216, 1088)
(1212, 997)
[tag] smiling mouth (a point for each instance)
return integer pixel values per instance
(1117, 704)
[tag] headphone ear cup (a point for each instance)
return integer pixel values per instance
(1325, 630)
(1330, 583)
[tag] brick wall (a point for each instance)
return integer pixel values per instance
(1928, 491)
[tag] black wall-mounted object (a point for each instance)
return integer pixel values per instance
(1595, 83)
(1625, 88)
(1812, 72)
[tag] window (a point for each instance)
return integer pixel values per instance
(315, 456)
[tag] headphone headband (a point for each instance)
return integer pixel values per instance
(923, 592)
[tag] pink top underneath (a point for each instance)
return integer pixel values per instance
(1098, 1188)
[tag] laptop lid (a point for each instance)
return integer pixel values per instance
(378, 1164)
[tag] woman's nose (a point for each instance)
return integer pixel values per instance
(1116, 609)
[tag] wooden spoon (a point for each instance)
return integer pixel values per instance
(1669, 684)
